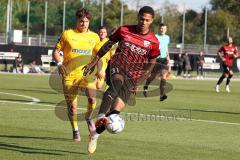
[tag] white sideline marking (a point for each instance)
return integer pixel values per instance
(37, 109)
(34, 100)
(218, 122)
(196, 120)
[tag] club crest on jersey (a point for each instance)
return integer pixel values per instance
(146, 43)
(74, 40)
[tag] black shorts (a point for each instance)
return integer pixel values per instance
(226, 68)
(161, 64)
(126, 90)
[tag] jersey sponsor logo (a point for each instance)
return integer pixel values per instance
(136, 49)
(230, 52)
(81, 51)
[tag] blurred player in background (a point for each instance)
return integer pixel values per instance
(162, 63)
(227, 53)
(200, 61)
(134, 58)
(102, 63)
(77, 45)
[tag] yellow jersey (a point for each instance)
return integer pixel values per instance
(77, 48)
(107, 56)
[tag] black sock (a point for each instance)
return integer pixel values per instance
(145, 87)
(162, 87)
(112, 112)
(228, 79)
(109, 96)
(149, 80)
(102, 128)
(220, 80)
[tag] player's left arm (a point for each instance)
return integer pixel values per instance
(154, 53)
(236, 55)
(168, 56)
(103, 50)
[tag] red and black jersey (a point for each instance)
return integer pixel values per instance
(228, 54)
(133, 51)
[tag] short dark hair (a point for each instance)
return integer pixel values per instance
(162, 24)
(82, 12)
(102, 27)
(146, 9)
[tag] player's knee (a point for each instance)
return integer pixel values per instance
(119, 105)
(230, 76)
(72, 109)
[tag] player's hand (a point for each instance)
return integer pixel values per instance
(100, 75)
(62, 70)
(89, 68)
(236, 56)
(168, 59)
(223, 59)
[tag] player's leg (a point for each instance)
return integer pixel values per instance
(230, 75)
(198, 68)
(223, 76)
(91, 105)
(100, 126)
(163, 74)
(70, 93)
(110, 94)
(179, 72)
(220, 80)
(152, 77)
(201, 70)
(117, 105)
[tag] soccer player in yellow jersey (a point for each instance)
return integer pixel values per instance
(77, 45)
(102, 64)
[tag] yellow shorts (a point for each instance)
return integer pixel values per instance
(73, 82)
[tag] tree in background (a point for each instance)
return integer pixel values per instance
(223, 16)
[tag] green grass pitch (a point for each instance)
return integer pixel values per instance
(210, 130)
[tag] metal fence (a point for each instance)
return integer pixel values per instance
(32, 40)
(38, 40)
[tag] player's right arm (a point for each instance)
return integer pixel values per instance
(103, 50)
(220, 54)
(58, 59)
(113, 39)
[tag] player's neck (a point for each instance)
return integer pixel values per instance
(143, 32)
(81, 31)
(102, 39)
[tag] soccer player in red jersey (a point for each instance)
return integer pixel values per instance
(132, 62)
(227, 53)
